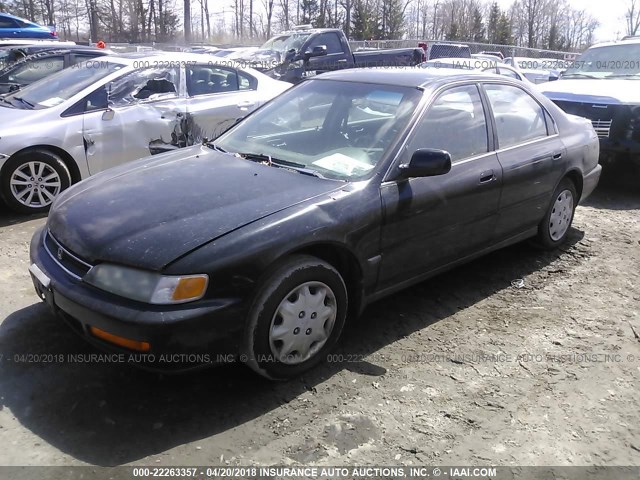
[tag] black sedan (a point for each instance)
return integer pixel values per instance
(340, 191)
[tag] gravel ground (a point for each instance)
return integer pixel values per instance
(467, 368)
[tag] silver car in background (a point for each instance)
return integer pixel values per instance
(108, 111)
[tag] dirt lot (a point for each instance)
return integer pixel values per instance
(467, 368)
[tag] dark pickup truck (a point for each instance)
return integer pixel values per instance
(306, 51)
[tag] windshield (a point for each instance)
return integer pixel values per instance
(6, 57)
(607, 62)
(339, 130)
(284, 43)
(61, 86)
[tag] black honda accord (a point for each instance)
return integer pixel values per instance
(344, 189)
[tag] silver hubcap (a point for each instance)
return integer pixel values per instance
(35, 184)
(302, 323)
(561, 215)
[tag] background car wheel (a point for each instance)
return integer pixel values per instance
(296, 317)
(555, 225)
(32, 180)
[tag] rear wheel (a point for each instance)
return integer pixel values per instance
(32, 180)
(296, 317)
(555, 225)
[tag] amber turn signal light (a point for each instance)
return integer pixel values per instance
(120, 341)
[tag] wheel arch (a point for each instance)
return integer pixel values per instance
(68, 160)
(575, 176)
(348, 266)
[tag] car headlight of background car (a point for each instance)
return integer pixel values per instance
(148, 287)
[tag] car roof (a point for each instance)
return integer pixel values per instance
(407, 76)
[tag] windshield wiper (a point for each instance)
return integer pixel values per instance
(269, 160)
(28, 104)
(578, 75)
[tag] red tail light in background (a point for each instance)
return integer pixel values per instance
(423, 46)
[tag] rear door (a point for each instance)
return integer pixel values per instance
(217, 96)
(430, 222)
(530, 152)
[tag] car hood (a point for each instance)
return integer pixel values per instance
(610, 92)
(152, 211)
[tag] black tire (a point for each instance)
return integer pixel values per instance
(292, 273)
(545, 239)
(50, 163)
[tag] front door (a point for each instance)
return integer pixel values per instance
(146, 116)
(430, 222)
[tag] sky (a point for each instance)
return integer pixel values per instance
(610, 13)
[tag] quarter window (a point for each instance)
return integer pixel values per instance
(455, 123)
(519, 118)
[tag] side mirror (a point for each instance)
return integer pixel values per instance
(318, 51)
(426, 162)
(108, 114)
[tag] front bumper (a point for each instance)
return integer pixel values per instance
(181, 337)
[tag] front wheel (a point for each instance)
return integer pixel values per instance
(296, 317)
(554, 228)
(32, 180)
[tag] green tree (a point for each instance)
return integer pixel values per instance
(309, 10)
(365, 23)
(492, 24)
(392, 17)
(477, 27)
(504, 34)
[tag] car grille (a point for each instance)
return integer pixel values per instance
(602, 127)
(67, 260)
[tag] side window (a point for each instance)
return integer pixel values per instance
(32, 71)
(206, 79)
(96, 100)
(7, 23)
(81, 57)
(519, 118)
(144, 84)
(455, 123)
(246, 82)
(331, 40)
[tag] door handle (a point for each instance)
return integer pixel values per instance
(245, 105)
(486, 177)
(557, 156)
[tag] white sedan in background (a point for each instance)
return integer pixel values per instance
(108, 111)
(454, 65)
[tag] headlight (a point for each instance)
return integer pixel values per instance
(148, 287)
